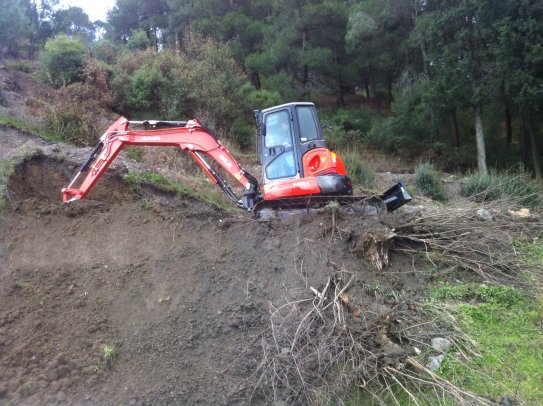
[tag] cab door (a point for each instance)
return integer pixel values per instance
(278, 146)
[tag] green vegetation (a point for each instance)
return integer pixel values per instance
(515, 185)
(428, 181)
(25, 126)
(134, 152)
(109, 354)
(63, 60)
(506, 326)
(480, 293)
(6, 170)
(532, 251)
(159, 182)
(394, 74)
(358, 171)
(22, 66)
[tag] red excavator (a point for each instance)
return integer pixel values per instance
(298, 170)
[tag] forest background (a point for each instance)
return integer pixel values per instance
(456, 82)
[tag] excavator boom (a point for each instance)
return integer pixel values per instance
(189, 136)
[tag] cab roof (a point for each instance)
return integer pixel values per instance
(286, 105)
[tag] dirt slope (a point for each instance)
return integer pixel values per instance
(181, 290)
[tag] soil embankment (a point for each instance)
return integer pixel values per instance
(183, 292)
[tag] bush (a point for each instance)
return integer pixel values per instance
(105, 51)
(138, 41)
(70, 122)
(77, 117)
(242, 133)
(63, 60)
(284, 84)
(357, 170)
(428, 181)
(19, 65)
(260, 99)
(515, 185)
(351, 119)
(409, 128)
(340, 139)
(202, 82)
(148, 86)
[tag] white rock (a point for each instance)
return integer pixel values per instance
(441, 344)
(484, 215)
(435, 362)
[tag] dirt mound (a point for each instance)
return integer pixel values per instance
(184, 295)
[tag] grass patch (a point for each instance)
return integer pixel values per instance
(17, 123)
(19, 65)
(480, 293)
(109, 353)
(507, 326)
(532, 251)
(6, 170)
(514, 184)
(428, 181)
(159, 182)
(135, 153)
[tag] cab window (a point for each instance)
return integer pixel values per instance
(278, 129)
(282, 167)
(308, 124)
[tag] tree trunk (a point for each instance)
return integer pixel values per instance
(535, 151)
(525, 139)
(177, 43)
(32, 50)
(340, 100)
(367, 89)
(390, 82)
(480, 138)
(305, 67)
(455, 135)
(508, 127)
(255, 80)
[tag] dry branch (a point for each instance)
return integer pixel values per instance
(460, 237)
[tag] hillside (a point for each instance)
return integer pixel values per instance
(161, 298)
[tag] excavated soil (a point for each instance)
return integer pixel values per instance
(182, 291)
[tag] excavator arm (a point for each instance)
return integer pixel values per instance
(189, 136)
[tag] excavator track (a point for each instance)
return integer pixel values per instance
(285, 207)
(309, 205)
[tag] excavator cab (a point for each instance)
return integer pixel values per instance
(286, 133)
(292, 150)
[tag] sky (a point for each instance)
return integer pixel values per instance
(95, 9)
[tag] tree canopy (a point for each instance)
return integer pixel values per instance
(466, 75)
